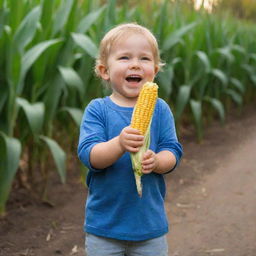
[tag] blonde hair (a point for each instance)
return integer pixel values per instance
(125, 30)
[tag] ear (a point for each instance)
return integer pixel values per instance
(156, 70)
(103, 72)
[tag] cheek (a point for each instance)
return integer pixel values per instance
(150, 68)
(151, 71)
(119, 70)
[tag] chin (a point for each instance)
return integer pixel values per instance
(132, 95)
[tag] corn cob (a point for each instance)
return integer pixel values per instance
(141, 120)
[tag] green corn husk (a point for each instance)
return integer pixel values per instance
(136, 160)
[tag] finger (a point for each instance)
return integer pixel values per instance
(131, 130)
(148, 166)
(147, 161)
(132, 149)
(146, 171)
(148, 154)
(134, 137)
(134, 144)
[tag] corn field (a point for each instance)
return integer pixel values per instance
(47, 53)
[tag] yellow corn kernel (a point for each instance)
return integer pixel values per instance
(141, 120)
(144, 108)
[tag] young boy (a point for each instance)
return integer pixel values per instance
(118, 221)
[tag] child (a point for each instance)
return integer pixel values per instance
(118, 221)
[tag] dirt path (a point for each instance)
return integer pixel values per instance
(210, 203)
(217, 214)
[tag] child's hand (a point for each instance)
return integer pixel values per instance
(130, 139)
(149, 162)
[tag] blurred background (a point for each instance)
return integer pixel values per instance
(47, 54)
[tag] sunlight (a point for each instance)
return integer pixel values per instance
(208, 4)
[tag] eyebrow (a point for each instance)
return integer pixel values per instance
(129, 53)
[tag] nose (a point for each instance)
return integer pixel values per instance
(134, 64)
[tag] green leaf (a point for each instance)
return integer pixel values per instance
(248, 68)
(86, 44)
(72, 79)
(176, 61)
(182, 100)
(252, 56)
(10, 151)
(3, 15)
(238, 48)
(59, 156)
(75, 113)
(89, 20)
(27, 29)
(3, 98)
(237, 98)
(15, 15)
(175, 36)
(226, 53)
(52, 98)
(47, 11)
(220, 75)
(34, 114)
(237, 84)
(110, 16)
(62, 15)
(163, 19)
(253, 78)
(205, 60)
(218, 106)
(196, 108)
(165, 79)
(31, 56)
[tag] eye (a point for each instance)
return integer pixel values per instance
(123, 58)
(146, 58)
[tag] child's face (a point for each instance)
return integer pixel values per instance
(129, 65)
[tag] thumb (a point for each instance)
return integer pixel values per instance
(147, 154)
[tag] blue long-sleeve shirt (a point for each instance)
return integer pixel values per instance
(113, 207)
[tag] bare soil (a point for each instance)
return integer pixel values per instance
(210, 201)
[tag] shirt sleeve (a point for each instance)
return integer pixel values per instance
(92, 132)
(167, 136)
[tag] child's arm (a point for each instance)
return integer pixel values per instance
(106, 153)
(160, 163)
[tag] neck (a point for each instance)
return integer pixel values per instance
(124, 102)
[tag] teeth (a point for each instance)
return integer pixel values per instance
(133, 76)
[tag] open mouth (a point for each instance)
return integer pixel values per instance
(133, 78)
